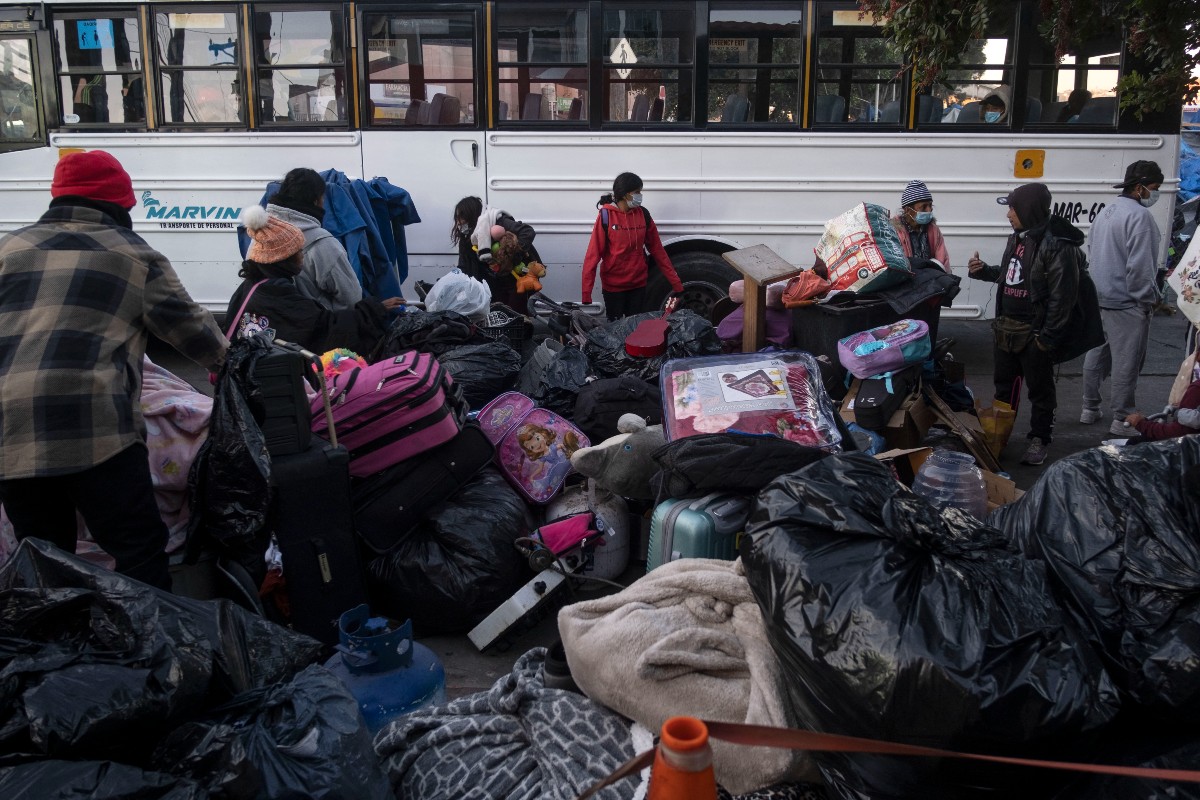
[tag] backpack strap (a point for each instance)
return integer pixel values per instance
(245, 302)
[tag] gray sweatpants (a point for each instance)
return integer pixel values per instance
(1122, 356)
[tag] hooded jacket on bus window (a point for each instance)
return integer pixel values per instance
(621, 249)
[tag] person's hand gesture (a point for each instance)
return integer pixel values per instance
(974, 265)
(392, 302)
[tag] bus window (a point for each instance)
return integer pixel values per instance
(198, 61)
(18, 99)
(1079, 87)
(300, 66)
(856, 73)
(541, 55)
(648, 57)
(754, 58)
(99, 63)
(420, 69)
(971, 89)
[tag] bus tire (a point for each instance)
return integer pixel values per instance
(705, 277)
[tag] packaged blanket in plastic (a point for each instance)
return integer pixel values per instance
(780, 394)
(688, 335)
(95, 665)
(687, 639)
(1117, 529)
(862, 250)
(302, 738)
(516, 741)
(459, 563)
(897, 621)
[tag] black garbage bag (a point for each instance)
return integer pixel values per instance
(533, 370)
(1138, 747)
(688, 334)
(229, 484)
(305, 737)
(897, 621)
(459, 563)
(725, 462)
(567, 373)
(1119, 531)
(484, 371)
(94, 665)
(95, 780)
(429, 332)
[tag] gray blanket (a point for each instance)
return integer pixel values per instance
(517, 741)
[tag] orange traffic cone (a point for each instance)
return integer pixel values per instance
(683, 767)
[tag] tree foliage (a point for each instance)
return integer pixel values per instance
(1163, 38)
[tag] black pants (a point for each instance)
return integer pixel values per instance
(1037, 370)
(116, 499)
(624, 304)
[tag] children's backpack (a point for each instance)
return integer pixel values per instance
(533, 445)
(885, 349)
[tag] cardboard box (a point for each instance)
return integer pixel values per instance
(1000, 490)
(905, 463)
(908, 425)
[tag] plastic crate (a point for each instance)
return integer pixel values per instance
(502, 323)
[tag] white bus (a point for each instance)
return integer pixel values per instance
(750, 122)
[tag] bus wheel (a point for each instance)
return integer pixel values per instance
(705, 276)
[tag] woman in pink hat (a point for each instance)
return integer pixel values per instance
(268, 299)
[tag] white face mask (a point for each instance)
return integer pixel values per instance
(1151, 200)
(635, 200)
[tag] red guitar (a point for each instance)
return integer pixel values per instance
(649, 338)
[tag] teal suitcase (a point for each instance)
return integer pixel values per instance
(705, 527)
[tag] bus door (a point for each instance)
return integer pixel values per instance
(422, 91)
(21, 115)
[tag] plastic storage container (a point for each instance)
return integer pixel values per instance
(948, 478)
(387, 672)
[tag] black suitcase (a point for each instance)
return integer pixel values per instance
(281, 408)
(880, 397)
(314, 528)
(390, 503)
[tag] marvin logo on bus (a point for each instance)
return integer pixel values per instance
(204, 217)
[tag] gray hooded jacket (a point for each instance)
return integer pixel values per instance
(327, 276)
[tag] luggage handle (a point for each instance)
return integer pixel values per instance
(316, 361)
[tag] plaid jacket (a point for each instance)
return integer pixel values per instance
(78, 295)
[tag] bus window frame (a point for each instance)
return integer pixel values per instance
(34, 36)
(902, 77)
(477, 11)
(696, 87)
(804, 8)
(115, 11)
(586, 122)
(239, 67)
(1117, 124)
(348, 47)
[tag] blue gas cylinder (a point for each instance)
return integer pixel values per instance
(387, 672)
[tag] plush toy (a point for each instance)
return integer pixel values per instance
(507, 254)
(623, 464)
(335, 362)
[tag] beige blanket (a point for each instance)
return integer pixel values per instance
(687, 639)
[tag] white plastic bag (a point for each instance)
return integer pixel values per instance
(457, 291)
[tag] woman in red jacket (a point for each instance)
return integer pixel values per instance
(623, 232)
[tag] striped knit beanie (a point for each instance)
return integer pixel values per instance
(915, 192)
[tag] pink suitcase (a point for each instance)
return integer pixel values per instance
(391, 411)
(533, 445)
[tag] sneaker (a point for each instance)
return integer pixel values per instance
(1090, 416)
(1119, 428)
(1035, 454)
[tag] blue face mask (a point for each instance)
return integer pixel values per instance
(924, 217)
(635, 200)
(991, 116)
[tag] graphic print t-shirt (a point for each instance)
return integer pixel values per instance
(1016, 304)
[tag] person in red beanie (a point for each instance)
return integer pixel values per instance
(79, 294)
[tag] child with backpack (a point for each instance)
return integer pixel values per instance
(623, 232)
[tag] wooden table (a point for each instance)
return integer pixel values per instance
(760, 266)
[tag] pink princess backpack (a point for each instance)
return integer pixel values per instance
(533, 445)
